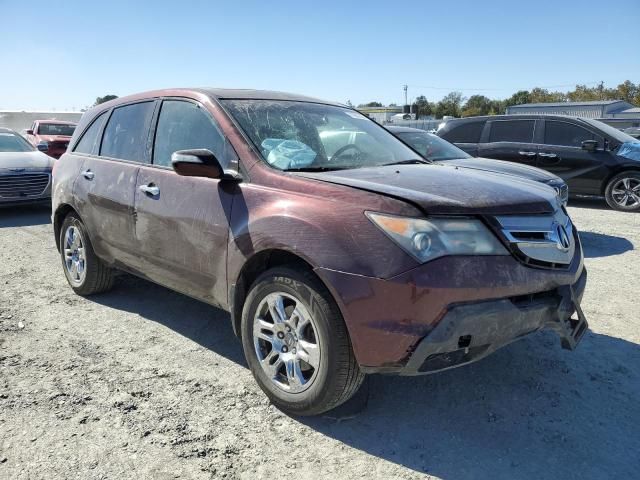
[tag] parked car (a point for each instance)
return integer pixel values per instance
(633, 131)
(51, 136)
(592, 157)
(438, 150)
(25, 173)
(333, 265)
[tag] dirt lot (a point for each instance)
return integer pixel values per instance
(145, 383)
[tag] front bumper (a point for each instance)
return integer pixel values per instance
(455, 310)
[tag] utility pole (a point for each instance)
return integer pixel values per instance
(404, 87)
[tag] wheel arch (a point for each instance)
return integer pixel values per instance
(255, 266)
(58, 218)
(615, 172)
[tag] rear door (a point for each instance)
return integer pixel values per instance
(182, 223)
(562, 154)
(106, 184)
(511, 140)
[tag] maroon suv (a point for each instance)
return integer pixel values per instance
(338, 250)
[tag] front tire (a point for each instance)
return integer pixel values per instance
(623, 192)
(296, 343)
(85, 272)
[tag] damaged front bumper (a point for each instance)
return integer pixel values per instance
(470, 332)
(455, 310)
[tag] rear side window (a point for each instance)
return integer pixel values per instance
(468, 132)
(90, 142)
(183, 126)
(125, 136)
(567, 134)
(520, 131)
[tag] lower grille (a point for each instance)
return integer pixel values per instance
(25, 185)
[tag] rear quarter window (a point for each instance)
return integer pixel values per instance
(468, 132)
(520, 131)
(90, 142)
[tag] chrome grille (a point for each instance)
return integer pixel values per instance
(542, 240)
(23, 185)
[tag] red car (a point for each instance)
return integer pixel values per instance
(337, 249)
(51, 136)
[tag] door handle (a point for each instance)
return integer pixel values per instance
(548, 155)
(150, 189)
(88, 174)
(527, 154)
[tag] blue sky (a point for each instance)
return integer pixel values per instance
(62, 54)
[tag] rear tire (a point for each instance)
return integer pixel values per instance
(85, 272)
(623, 192)
(296, 343)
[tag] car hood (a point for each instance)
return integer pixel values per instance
(27, 160)
(500, 166)
(443, 189)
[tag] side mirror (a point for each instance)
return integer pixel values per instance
(43, 147)
(29, 132)
(590, 145)
(200, 163)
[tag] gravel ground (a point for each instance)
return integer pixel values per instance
(146, 383)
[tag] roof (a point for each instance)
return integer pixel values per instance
(59, 122)
(569, 104)
(249, 94)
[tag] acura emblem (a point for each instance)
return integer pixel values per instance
(562, 238)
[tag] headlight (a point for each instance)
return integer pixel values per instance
(426, 239)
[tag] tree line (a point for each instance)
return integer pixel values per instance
(456, 105)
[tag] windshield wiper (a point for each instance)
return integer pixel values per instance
(412, 161)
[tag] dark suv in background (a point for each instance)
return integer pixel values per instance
(338, 250)
(592, 157)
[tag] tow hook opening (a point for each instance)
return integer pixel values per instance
(464, 341)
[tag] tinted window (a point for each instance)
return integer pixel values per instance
(90, 142)
(512, 131)
(184, 126)
(567, 134)
(431, 146)
(466, 133)
(126, 133)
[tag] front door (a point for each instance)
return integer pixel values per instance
(510, 140)
(563, 155)
(181, 223)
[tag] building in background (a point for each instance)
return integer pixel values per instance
(21, 120)
(381, 115)
(617, 113)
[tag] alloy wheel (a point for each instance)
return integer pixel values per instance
(286, 342)
(74, 255)
(626, 192)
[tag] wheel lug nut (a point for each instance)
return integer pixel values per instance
(285, 349)
(280, 335)
(288, 328)
(293, 350)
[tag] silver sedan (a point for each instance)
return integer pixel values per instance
(25, 172)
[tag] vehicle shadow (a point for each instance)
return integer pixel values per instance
(602, 245)
(25, 216)
(208, 326)
(529, 411)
